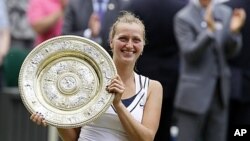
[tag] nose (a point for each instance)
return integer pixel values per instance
(129, 44)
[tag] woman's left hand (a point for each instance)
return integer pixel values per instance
(116, 87)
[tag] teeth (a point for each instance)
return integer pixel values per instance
(131, 52)
(128, 51)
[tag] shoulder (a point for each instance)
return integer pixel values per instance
(184, 14)
(155, 91)
(155, 83)
(184, 11)
(152, 84)
(155, 87)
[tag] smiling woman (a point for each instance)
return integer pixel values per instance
(128, 35)
(142, 96)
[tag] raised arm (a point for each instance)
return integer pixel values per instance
(146, 130)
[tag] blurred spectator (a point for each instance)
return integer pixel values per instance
(22, 37)
(22, 34)
(240, 95)
(91, 19)
(4, 31)
(207, 35)
(46, 18)
(4, 35)
(160, 56)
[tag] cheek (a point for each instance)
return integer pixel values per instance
(119, 45)
(116, 46)
(139, 47)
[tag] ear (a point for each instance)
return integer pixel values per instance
(111, 44)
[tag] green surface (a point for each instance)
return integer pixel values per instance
(12, 64)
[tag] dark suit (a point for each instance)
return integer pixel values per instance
(239, 113)
(241, 63)
(160, 56)
(78, 13)
(203, 90)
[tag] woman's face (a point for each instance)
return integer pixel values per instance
(127, 43)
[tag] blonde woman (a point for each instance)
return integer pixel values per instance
(135, 112)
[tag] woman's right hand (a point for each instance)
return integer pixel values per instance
(116, 87)
(38, 119)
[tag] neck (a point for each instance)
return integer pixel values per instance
(125, 72)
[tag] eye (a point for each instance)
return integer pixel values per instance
(123, 39)
(136, 40)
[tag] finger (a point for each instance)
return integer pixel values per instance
(36, 117)
(113, 82)
(39, 119)
(32, 116)
(117, 79)
(115, 88)
(237, 12)
(242, 13)
(116, 85)
(44, 122)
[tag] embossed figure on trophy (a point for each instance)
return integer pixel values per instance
(68, 82)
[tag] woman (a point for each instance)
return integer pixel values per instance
(124, 120)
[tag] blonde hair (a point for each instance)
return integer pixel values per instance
(126, 17)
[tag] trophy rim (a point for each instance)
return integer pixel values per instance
(61, 117)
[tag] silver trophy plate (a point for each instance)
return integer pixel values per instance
(64, 79)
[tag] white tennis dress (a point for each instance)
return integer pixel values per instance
(108, 126)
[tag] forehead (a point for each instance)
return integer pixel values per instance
(129, 27)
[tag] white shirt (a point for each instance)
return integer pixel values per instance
(108, 126)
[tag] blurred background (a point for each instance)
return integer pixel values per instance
(22, 28)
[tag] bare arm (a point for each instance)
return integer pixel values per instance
(146, 130)
(71, 134)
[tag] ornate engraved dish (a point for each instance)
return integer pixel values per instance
(64, 79)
